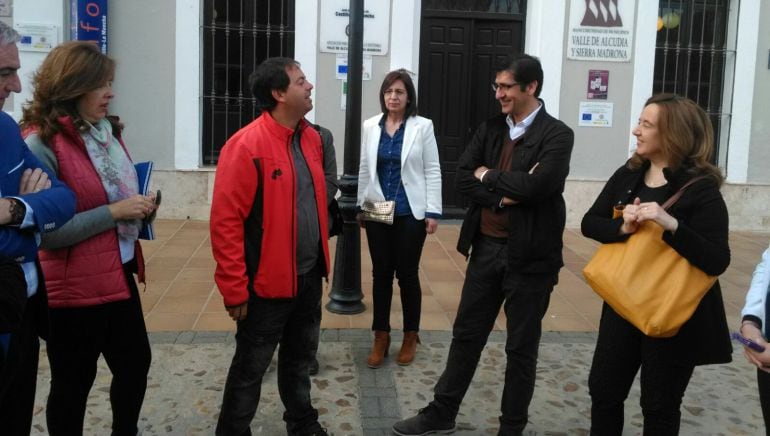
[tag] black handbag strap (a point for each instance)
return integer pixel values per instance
(678, 194)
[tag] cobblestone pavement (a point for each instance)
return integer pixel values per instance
(189, 369)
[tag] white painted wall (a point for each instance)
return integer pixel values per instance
(405, 39)
(188, 89)
(306, 43)
(759, 155)
(644, 63)
(545, 39)
(35, 12)
(743, 92)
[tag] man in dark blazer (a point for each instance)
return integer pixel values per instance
(513, 171)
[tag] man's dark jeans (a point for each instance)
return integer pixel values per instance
(489, 283)
(295, 324)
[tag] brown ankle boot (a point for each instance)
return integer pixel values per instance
(408, 348)
(379, 349)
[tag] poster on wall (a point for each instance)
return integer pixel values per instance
(335, 20)
(598, 84)
(5, 8)
(601, 30)
(88, 20)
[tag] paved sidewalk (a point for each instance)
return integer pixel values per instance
(189, 369)
(192, 341)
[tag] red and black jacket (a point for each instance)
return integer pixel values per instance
(253, 210)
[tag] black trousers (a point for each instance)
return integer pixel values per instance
(396, 250)
(763, 383)
(18, 380)
(489, 284)
(621, 349)
(295, 323)
(78, 336)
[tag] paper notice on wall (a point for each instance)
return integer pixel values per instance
(334, 29)
(6, 6)
(37, 37)
(595, 114)
(601, 30)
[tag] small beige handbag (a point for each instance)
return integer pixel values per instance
(379, 211)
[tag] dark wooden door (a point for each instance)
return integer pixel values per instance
(457, 59)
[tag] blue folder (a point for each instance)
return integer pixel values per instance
(144, 173)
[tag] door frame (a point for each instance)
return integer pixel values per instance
(458, 210)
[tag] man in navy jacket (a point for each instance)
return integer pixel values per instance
(32, 201)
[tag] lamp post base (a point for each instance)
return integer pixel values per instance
(346, 295)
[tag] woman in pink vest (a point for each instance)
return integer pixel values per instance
(89, 263)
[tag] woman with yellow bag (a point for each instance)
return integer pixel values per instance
(674, 146)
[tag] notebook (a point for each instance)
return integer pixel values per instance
(144, 173)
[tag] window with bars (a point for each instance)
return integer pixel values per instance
(237, 36)
(692, 56)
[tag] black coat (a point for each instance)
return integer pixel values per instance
(537, 221)
(13, 295)
(701, 238)
(13, 299)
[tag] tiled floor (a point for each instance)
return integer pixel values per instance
(181, 294)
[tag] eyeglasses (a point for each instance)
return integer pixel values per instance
(397, 93)
(505, 87)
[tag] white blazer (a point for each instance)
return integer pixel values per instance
(760, 286)
(420, 168)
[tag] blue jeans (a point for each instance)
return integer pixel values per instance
(295, 323)
(489, 284)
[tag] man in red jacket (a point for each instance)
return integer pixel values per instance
(269, 227)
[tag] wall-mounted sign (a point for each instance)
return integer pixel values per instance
(598, 84)
(341, 67)
(88, 20)
(601, 30)
(595, 114)
(37, 37)
(335, 20)
(6, 6)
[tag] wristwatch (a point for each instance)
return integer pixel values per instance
(17, 210)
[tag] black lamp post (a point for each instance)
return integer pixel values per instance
(346, 294)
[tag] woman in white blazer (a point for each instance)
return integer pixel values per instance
(399, 161)
(754, 326)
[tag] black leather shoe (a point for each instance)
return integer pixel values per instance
(423, 423)
(314, 367)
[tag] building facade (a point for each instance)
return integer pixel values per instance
(182, 68)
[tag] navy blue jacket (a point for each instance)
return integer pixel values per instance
(52, 207)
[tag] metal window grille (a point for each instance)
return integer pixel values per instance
(694, 56)
(237, 36)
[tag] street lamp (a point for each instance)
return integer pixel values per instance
(346, 295)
